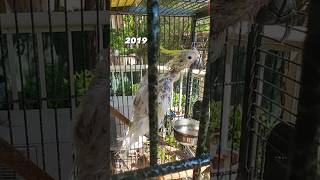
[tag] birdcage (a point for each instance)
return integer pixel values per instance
(243, 103)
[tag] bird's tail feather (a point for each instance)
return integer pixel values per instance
(126, 144)
(126, 140)
(132, 139)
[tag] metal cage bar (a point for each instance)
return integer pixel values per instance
(153, 59)
(160, 170)
(207, 94)
(245, 167)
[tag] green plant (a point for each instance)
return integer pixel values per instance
(171, 140)
(214, 118)
(235, 126)
(82, 82)
(133, 26)
(128, 89)
(203, 25)
(176, 98)
(129, 29)
(135, 88)
(163, 154)
(57, 87)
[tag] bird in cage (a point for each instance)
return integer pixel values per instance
(90, 129)
(140, 121)
(228, 13)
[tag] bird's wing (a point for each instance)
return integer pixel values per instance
(90, 130)
(165, 87)
(91, 123)
(140, 120)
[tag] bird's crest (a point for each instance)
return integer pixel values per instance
(169, 52)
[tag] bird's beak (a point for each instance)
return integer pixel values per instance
(198, 64)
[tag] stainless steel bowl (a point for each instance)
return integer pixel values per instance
(186, 131)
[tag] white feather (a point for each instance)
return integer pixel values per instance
(140, 120)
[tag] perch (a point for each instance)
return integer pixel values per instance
(17, 162)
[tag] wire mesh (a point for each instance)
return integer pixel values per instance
(174, 34)
(43, 77)
(166, 7)
(276, 105)
(273, 97)
(49, 49)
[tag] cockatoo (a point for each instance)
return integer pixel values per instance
(140, 121)
(228, 13)
(90, 130)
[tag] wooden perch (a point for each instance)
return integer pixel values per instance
(120, 116)
(21, 165)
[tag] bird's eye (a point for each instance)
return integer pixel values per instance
(189, 57)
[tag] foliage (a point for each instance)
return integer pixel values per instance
(234, 123)
(57, 87)
(82, 82)
(214, 125)
(129, 29)
(171, 140)
(163, 154)
(176, 98)
(128, 89)
(172, 36)
(168, 137)
(203, 25)
(235, 126)
(117, 40)
(135, 88)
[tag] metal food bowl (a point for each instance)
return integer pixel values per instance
(186, 131)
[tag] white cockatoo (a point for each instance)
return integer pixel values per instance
(140, 121)
(90, 129)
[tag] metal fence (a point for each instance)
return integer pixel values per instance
(273, 77)
(48, 49)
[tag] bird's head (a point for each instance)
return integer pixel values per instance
(185, 59)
